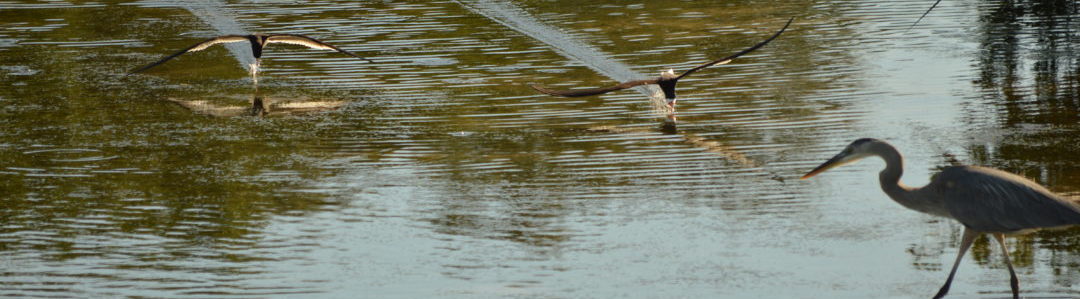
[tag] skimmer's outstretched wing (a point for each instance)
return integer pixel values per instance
(736, 55)
(196, 47)
(296, 39)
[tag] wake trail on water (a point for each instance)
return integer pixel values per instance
(519, 20)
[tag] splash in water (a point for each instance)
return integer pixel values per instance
(253, 69)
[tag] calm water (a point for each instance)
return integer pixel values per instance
(436, 171)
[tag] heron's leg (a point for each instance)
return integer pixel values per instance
(1013, 282)
(965, 243)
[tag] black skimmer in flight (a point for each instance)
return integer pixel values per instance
(667, 79)
(258, 42)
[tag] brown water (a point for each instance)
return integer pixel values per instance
(436, 171)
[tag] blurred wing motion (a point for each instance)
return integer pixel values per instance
(741, 53)
(196, 47)
(987, 199)
(924, 14)
(593, 91)
(296, 39)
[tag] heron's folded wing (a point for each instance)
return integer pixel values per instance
(196, 47)
(741, 53)
(991, 200)
(592, 91)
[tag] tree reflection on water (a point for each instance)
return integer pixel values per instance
(1029, 73)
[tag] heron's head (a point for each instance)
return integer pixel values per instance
(668, 74)
(855, 151)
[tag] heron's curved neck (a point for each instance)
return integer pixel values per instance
(890, 182)
(894, 168)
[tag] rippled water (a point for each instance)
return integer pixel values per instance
(436, 171)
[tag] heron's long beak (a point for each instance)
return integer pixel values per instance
(837, 160)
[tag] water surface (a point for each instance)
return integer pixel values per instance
(436, 171)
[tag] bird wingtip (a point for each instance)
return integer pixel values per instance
(541, 89)
(786, 25)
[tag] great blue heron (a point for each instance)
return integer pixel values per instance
(258, 42)
(667, 79)
(985, 200)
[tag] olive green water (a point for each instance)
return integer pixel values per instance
(436, 171)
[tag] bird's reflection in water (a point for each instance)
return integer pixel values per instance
(668, 126)
(259, 106)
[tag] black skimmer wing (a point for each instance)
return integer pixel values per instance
(296, 39)
(197, 47)
(593, 91)
(924, 14)
(736, 55)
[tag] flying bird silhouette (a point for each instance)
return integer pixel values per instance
(258, 42)
(667, 79)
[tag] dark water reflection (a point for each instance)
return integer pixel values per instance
(437, 172)
(1028, 77)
